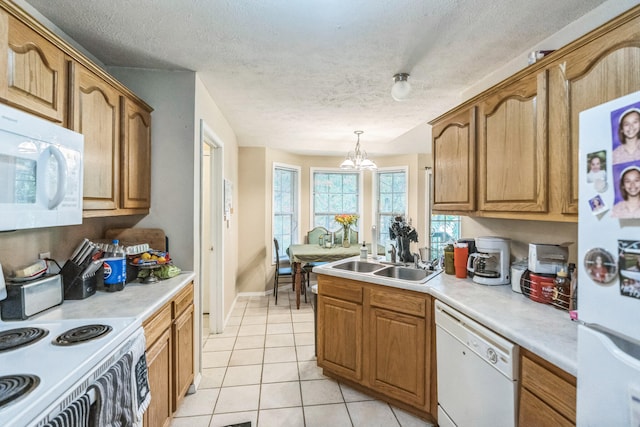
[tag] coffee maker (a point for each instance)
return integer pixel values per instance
(490, 265)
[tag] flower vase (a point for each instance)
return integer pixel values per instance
(404, 250)
(346, 236)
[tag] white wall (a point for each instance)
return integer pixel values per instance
(207, 110)
(171, 95)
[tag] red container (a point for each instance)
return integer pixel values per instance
(541, 287)
(460, 256)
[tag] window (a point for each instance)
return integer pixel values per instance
(391, 200)
(334, 193)
(286, 182)
(444, 229)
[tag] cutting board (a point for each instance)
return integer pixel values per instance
(155, 237)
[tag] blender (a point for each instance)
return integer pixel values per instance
(490, 265)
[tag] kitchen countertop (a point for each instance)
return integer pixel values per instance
(540, 328)
(137, 300)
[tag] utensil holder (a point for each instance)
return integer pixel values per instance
(77, 287)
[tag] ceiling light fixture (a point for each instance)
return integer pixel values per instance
(401, 87)
(358, 159)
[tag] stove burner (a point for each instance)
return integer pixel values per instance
(81, 334)
(15, 338)
(13, 387)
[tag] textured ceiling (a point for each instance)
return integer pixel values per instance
(302, 75)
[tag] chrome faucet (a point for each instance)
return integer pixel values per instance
(393, 253)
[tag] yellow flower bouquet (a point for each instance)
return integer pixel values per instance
(346, 220)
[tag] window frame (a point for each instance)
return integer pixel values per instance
(376, 194)
(296, 233)
(312, 208)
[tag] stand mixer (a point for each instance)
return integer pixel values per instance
(490, 265)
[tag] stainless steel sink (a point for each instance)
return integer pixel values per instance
(359, 266)
(404, 273)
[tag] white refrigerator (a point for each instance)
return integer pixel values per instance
(609, 264)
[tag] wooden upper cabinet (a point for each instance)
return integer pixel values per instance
(604, 69)
(512, 147)
(454, 172)
(95, 113)
(136, 155)
(32, 71)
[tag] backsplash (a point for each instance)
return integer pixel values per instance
(20, 247)
(522, 233)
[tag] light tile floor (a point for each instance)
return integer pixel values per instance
(263, 369)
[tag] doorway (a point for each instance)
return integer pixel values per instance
(211, 227)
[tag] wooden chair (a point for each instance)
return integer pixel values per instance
(284, 271)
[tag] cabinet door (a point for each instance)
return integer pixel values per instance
(598, 72)
(32, 71)
(183, 354)
(454, 163)
(159, 365)
(340, 337)
(397, 356)
(96, 115)
(512, 148)
(534, 412)
(136, 156)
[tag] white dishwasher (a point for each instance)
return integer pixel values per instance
(477, 373)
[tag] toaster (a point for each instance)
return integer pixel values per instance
(28, 298)
(547, 259)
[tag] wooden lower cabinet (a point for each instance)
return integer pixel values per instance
(378, 339)
(159, 366)
(547, 393)
(183, 355)
(169, 336)
(340, 328)
(398, 344)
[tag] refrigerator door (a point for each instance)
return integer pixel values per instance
(608, 380)
(602, 301)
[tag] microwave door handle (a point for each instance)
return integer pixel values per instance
(62, 178)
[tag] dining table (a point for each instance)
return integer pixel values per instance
(303, 253)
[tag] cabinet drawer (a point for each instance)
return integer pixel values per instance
(183, 300)
(156, 325)
(534, 412)
(552, 385)
(399, 301)
(343, 289)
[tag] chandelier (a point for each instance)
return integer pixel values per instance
(358, 159)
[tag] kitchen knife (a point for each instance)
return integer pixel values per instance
(79, 249)
(82, 258)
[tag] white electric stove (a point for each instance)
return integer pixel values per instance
(53, 375)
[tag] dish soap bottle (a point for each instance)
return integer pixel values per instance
(363, 251)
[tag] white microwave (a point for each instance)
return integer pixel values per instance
(40, 172)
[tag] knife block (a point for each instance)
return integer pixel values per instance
(75, 286)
